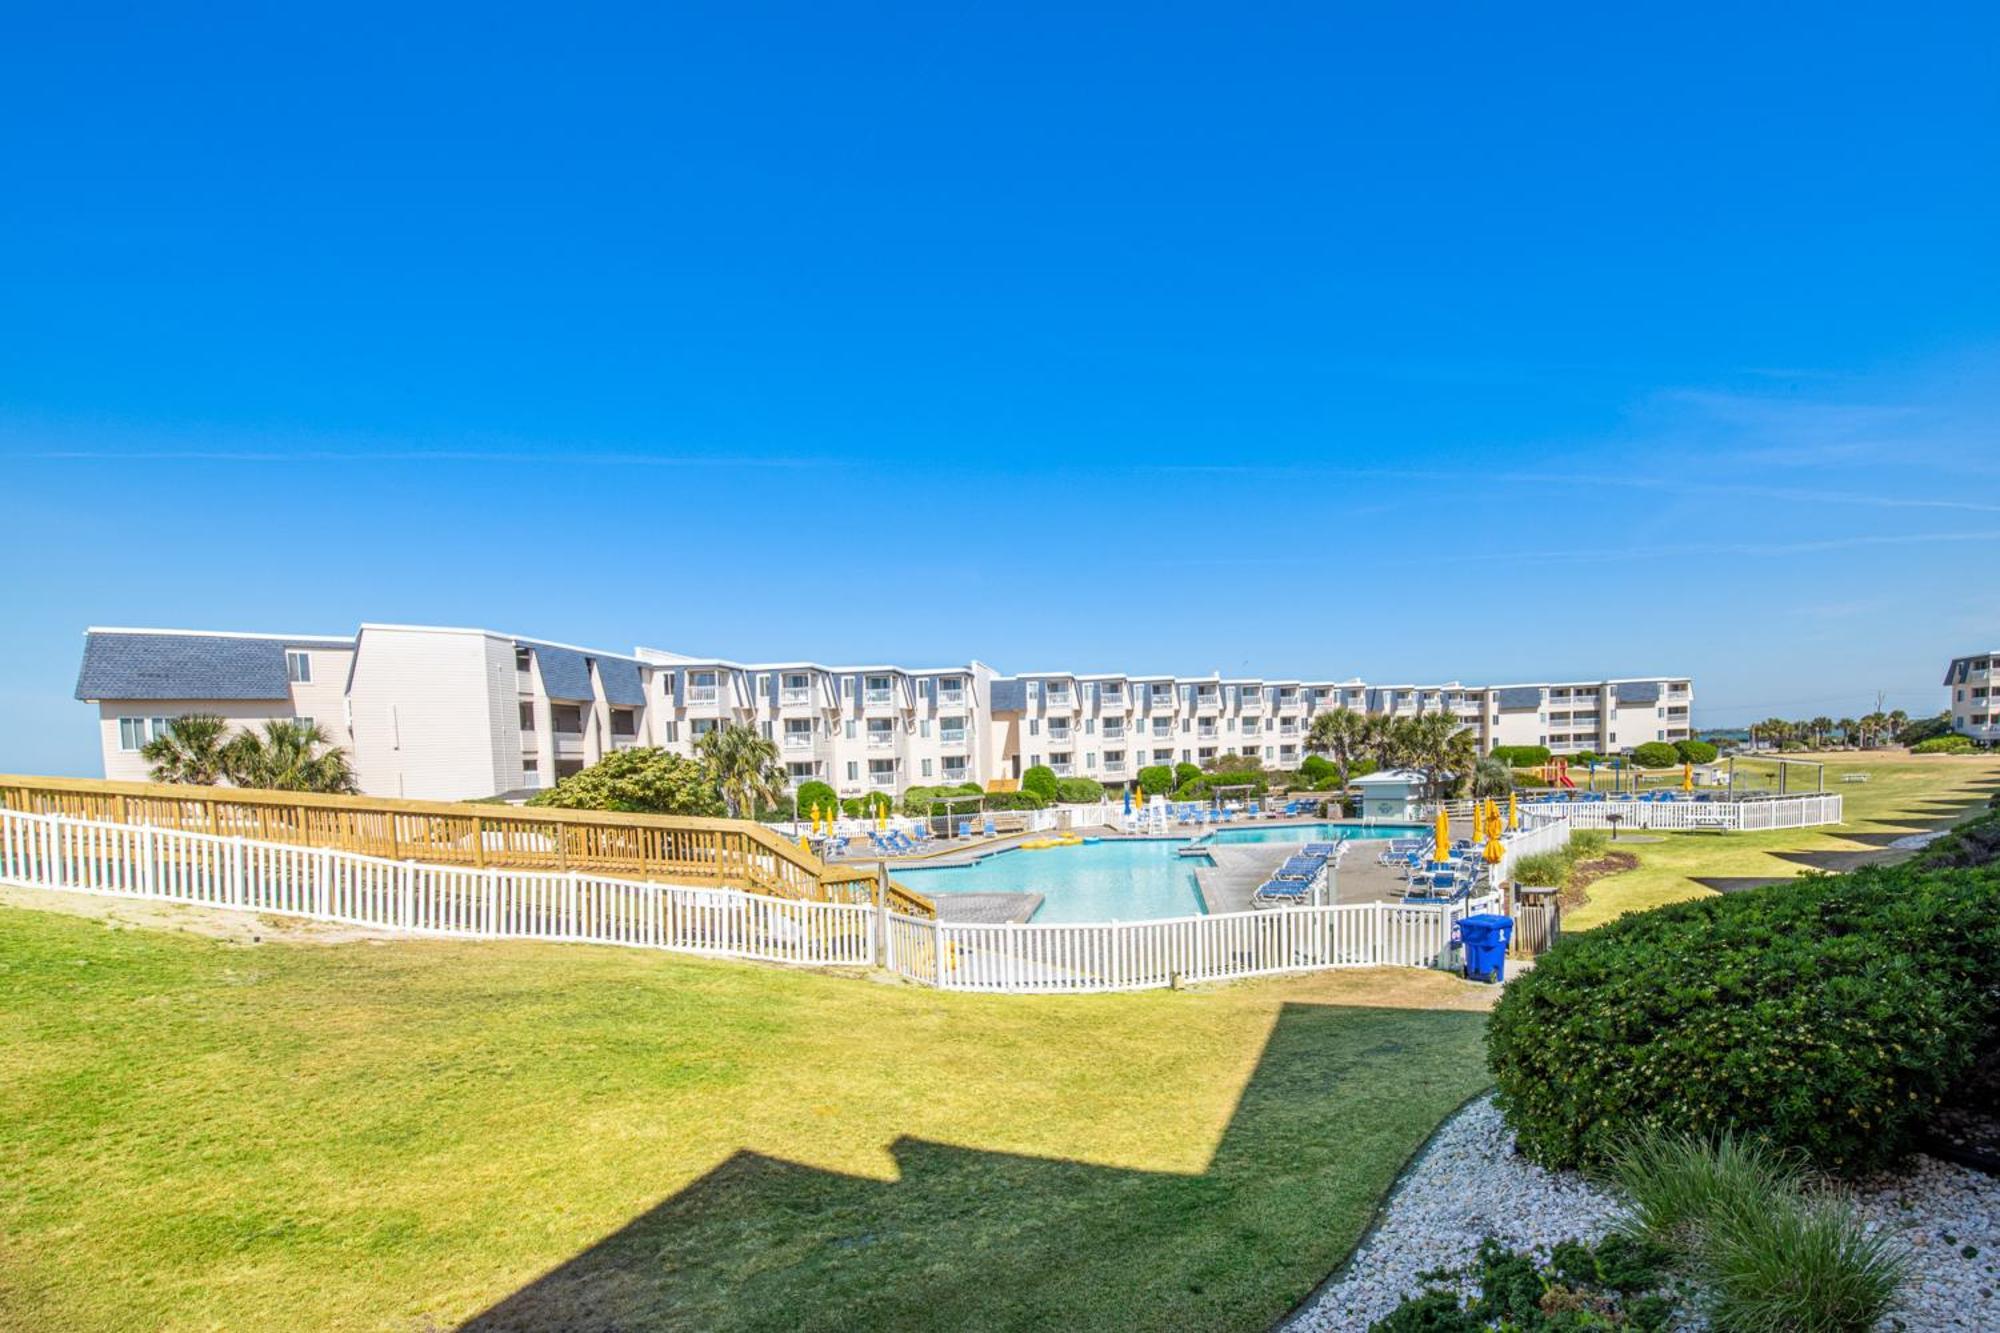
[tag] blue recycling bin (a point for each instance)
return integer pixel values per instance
(1486, 937)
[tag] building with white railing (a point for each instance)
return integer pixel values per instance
(1974, 685)
(447, 713)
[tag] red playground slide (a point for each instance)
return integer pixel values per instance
(1559, 771)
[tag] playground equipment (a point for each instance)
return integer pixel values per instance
(1555, 773)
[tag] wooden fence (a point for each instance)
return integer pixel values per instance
(723, 853)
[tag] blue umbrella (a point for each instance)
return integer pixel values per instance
(1128, 800)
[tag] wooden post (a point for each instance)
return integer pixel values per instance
(881, 942)
(479, 842)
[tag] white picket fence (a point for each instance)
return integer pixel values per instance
(1143, 955)
(132, 861)
(1740, 816)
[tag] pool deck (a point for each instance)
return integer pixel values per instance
(986, 909)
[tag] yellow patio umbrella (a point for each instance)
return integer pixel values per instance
(1443, 833)
(1494, 850)
(881, 817)
(1513, 813)
(1687, 778)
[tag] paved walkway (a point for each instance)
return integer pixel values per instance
(986, 909)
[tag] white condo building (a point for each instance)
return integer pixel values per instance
(1974, 683)
(441, 713)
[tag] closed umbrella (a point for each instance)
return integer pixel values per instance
(1513, 813)
(1128, 800)
(1443, 833)
(1687, 778)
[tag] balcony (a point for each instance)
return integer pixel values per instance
(881, 740)
(1206, 732)
(1061, 702)
(1063, 770)
(1114, 766)
(798, 740)
(795, 698)
(703, 696)
(882, 781)
(1114, 731)
(1063, 734)
(1208, 703)
(951, 698)
(952, 738)
(878, 698)
(1250, 703)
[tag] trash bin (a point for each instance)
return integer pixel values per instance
(1486, 937)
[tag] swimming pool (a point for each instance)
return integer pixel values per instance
(1131, 879)
(1316, 832)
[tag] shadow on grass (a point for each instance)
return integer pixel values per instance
(970, 1238)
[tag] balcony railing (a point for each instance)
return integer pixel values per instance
(794, 698)
(798, 740)
(951, 737)
(698, 694)
(881, 740)
(876, 698)
(887, 780)
(951, 698)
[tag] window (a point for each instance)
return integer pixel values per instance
(1090, 726)
(764, 728)
(670, 732)
(701, 687)
(131, 733)
(299, 668)
(527, 717)
(698, 727)
(531, 772)
(567, 719)
(853, 771)
(305, 721)
(951, 730)
(801, 771)
(798, 733)
(927, 768)
(1034, 726)
(924, 728)
(877, 688)
(524, 659)
(847, 728)
(881, 772)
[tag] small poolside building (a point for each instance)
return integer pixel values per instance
(1391, 794)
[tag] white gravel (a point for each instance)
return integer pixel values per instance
(1469, 1184)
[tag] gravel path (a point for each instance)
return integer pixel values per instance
(1469, 1185)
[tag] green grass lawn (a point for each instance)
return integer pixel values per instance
(199, 1134)
(1903, 794)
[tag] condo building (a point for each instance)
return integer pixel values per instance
(1974, 683)
(439, 713)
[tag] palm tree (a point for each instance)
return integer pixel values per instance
(1848, 728)
(1342, 736)
(290, 755)
(1821, 727)
(190, 751)
(745, 767)
(1436, 745)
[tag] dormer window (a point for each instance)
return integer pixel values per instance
(298, 668)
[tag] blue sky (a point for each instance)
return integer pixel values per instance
(1494, 343)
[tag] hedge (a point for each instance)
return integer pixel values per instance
(1655, 754)
(1827, 1016)
(817, 795)
(1944, 745)
(1522, 756)
(1696, 752)
(1079, 791)
(1156, 778)
(1041, 780)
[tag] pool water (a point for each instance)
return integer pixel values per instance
(1134, 879)
(1316, 832)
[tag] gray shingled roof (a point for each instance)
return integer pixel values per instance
(181, 666)
(1636, 691)
(1518, 698)
(621, 682)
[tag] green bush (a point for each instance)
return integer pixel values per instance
(1015, 800)
(1553, 870)
(1655, 754)
(1315, 769)
(1521, 756)
(1585, 758)
(1826, 1016)
(817, 795)
(1186, 773)
(1041, 780)
(1696, 752)
(1617, 1284)
(1156, 778)
(926, 801)
(1079, 791)
(643, 780)
(864, 807)
(1944, 745)
(1923, 729)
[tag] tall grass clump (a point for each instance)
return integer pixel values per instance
(1675, 1185)
(1767, 1253)
(1802, 1265)
(1554, 869)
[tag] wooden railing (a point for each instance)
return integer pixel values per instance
(726, 853)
